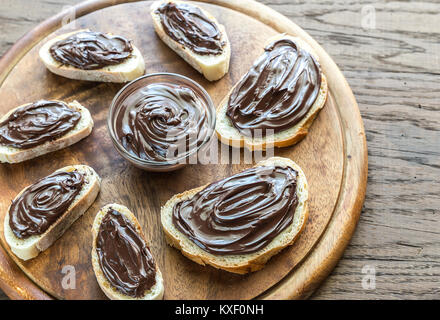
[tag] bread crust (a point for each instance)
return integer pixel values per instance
(155, 293)
(212, 67)
(79, 206)
(252, 262)
(299, 131)
(130, 69)
(79, 132)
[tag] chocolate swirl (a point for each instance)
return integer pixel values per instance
(124, 256)
(277, 92)
(167, 121)
(37, 123)
(189, 26)
(42, 203)
(240, 214)
(89, 50)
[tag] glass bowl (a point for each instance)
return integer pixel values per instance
(130, 90)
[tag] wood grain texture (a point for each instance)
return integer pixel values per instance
(144, 192)
(393, 71)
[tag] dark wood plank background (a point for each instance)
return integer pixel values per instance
(393, 69)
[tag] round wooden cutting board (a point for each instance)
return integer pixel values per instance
(333, 157)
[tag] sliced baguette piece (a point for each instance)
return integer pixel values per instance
(213, 67)
(245, 263)
(130, 69)
(29, 248)
(155, 292)
(230, 135)
(82, 129)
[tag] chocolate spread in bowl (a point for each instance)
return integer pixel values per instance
(162, 122)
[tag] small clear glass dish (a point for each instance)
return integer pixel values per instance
(134, 87)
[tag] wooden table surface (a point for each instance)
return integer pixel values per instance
(389, 51)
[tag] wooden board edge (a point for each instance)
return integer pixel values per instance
(13, 281)
(305, 278)
(349, 205)
(301, 282)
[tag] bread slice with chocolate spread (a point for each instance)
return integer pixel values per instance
(156, 291)
(29, 247)
(128, 69)
(231, 135)
(245, 262)
(212, 65)
(82, 129)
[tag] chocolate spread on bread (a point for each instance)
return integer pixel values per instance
(37, 123)
(277, 92)
(123, 255)
(162, 121)
(240, 214)
(41, 204)
(189, 26)
(89, 50)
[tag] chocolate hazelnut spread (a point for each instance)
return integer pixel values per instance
(162, 122)
(37, 123)
(42, 203)
(278, 90)
(123, 255)
(240, 214)
(189, 26)
(90, 50)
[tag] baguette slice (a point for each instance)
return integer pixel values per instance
(82, 129)
(230, 135)
(245, 263)
(29, 248)
(130, 69)
(155, 292)
(213, 67)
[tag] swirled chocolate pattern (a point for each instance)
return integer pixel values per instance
(124, 256)
(189, 26)
(240, 214)
(89, 50)
(37, 123)
(277, 92)
(42, 203)
(168, 121)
